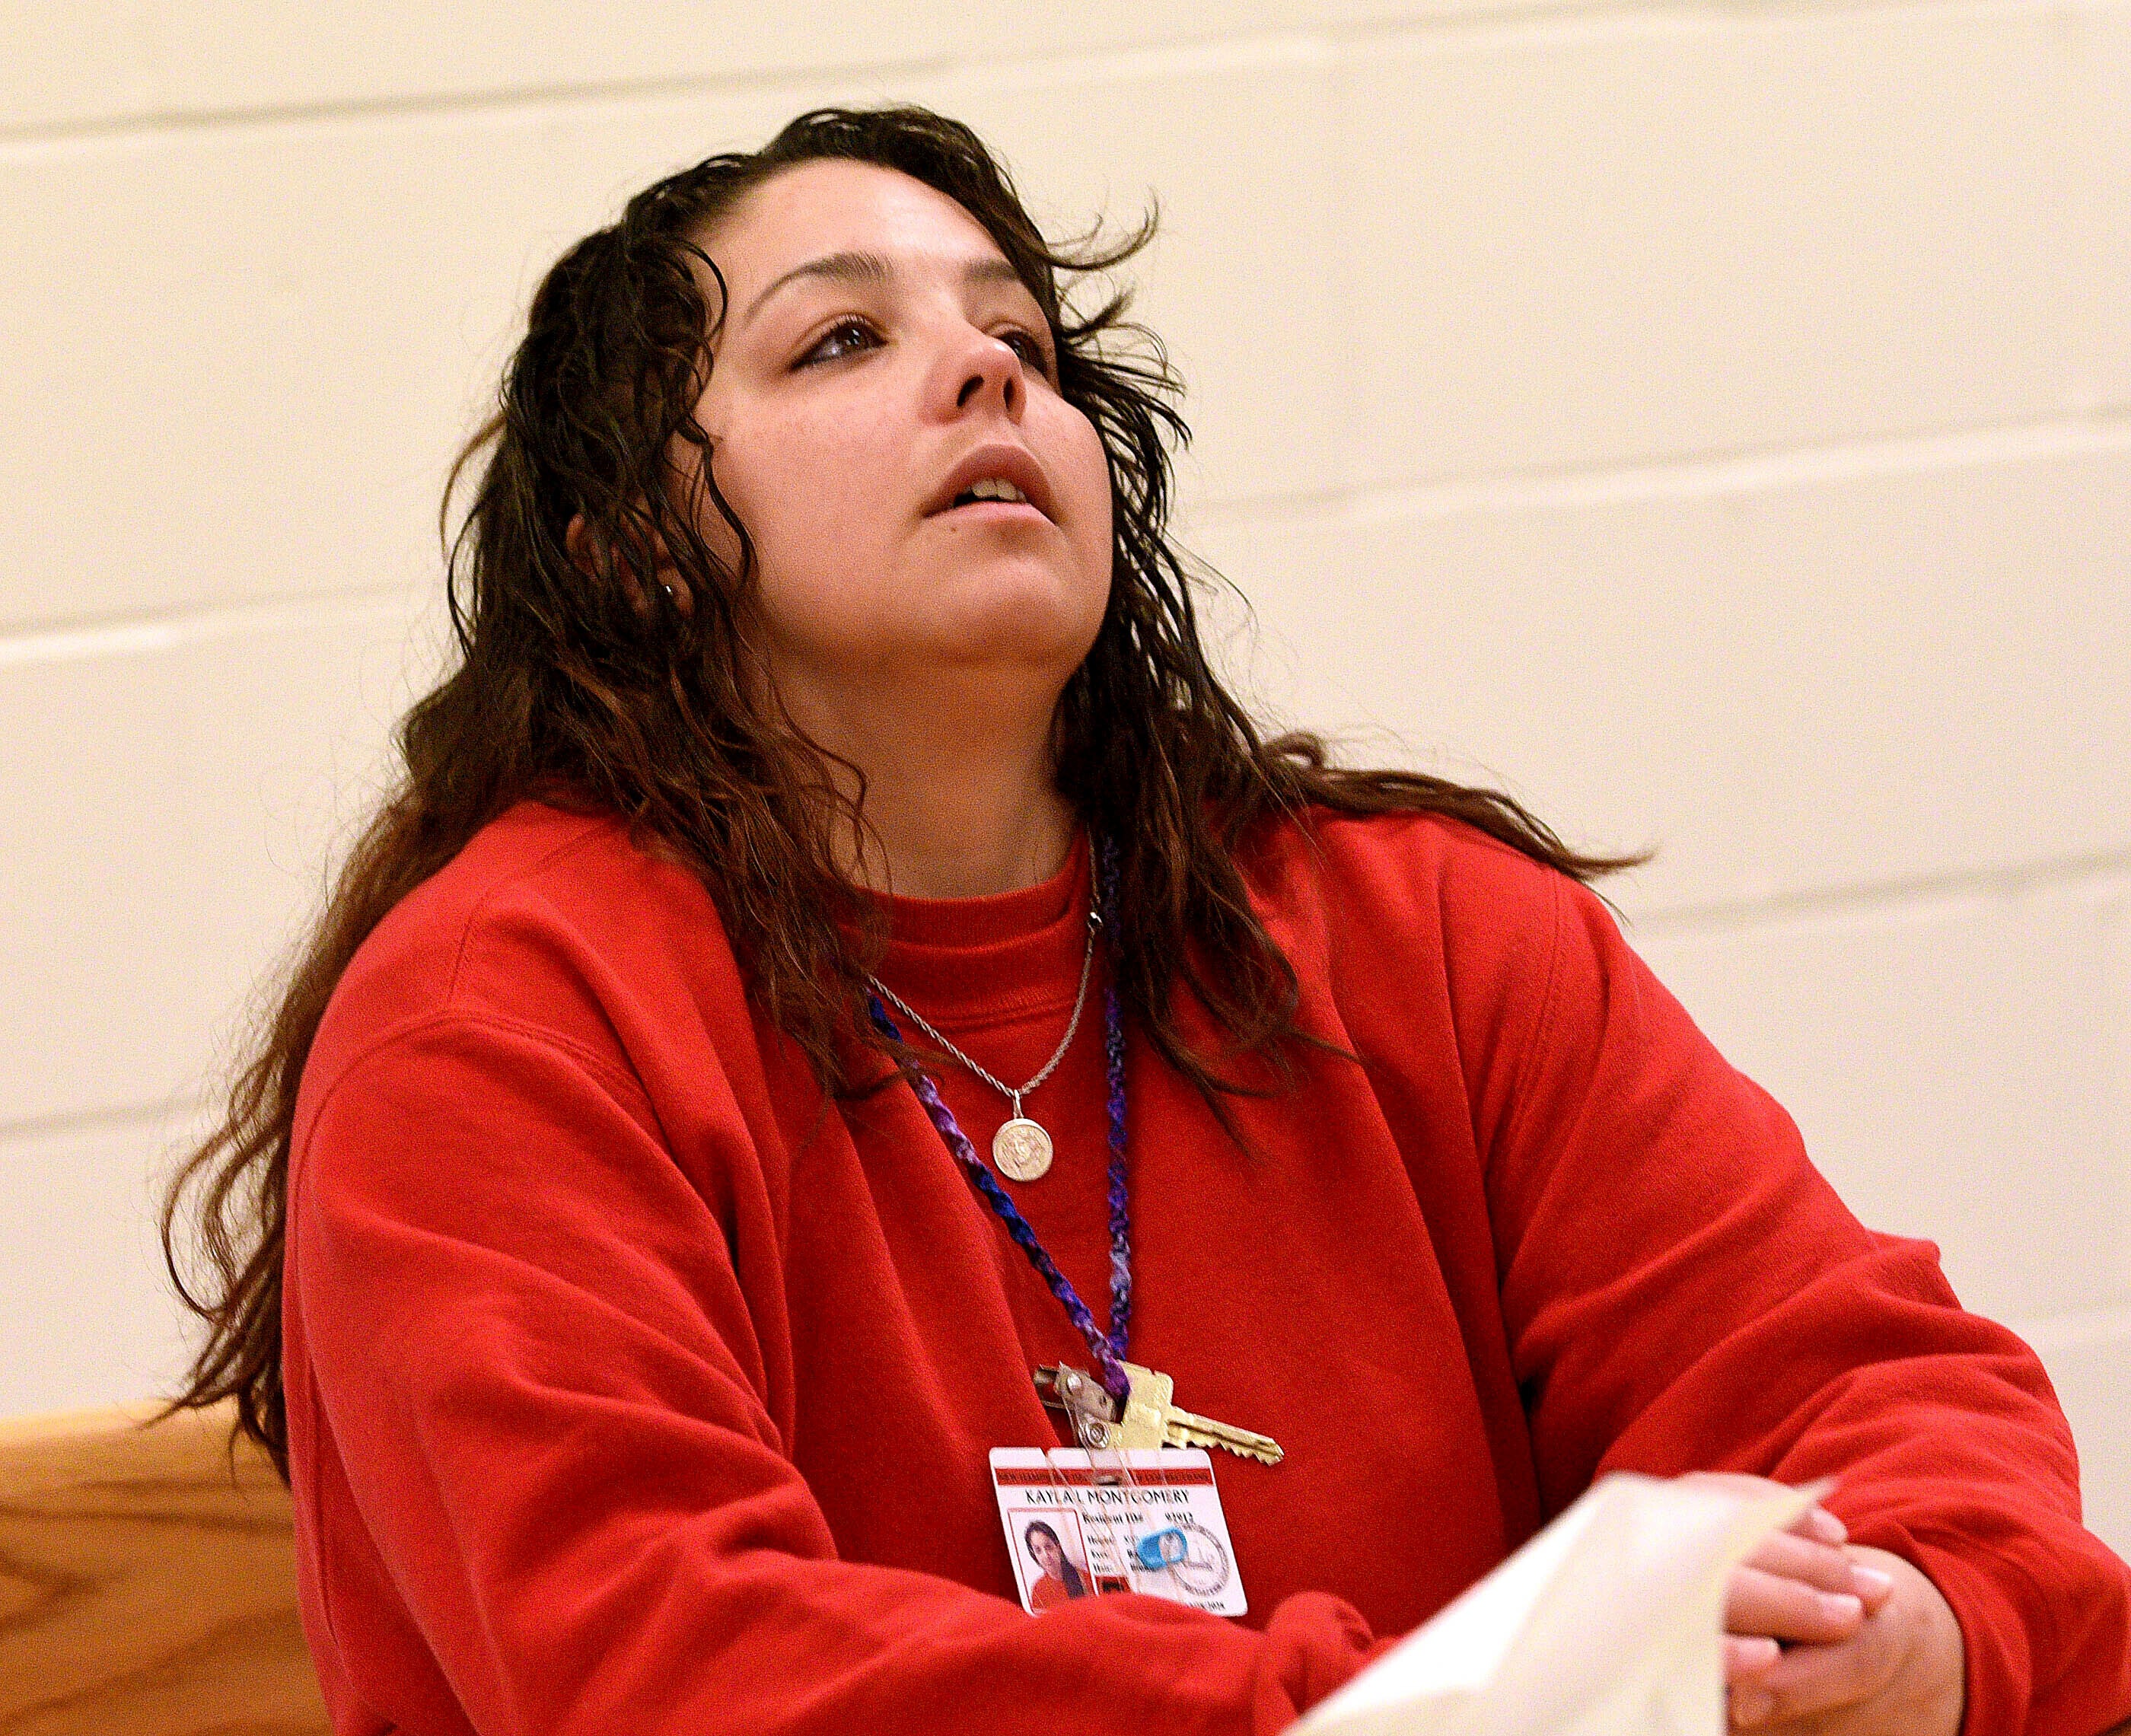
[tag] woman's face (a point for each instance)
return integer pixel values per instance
(879, 362)
(1049, 1556)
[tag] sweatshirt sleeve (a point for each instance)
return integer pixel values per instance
(521, 1331)
(1682, 1290)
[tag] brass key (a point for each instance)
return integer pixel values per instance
(1151, 1416)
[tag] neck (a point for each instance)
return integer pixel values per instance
(956, 805)
(962, 837)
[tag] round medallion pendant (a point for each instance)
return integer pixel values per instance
(1021, 1149)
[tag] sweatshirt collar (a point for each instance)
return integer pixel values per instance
(980, 959)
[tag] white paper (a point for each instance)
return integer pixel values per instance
(1609, 1623)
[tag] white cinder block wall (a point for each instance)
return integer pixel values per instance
(1713, 421)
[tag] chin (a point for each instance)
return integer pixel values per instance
(1034, 618)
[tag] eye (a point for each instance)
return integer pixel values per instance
(1031, 349)
(847, 336)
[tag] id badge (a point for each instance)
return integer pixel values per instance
(1088, 1525)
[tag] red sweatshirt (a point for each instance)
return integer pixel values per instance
(633, 1387)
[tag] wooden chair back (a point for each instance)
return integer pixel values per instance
(148, 1586)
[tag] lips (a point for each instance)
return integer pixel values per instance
(1012, 464)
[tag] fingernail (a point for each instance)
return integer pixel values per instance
(1826, 1527)
(1870, 1581)
(1840, 1606)
(1749, 1706)
(1758, 1653)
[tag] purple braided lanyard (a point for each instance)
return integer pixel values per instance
(1108, 1348)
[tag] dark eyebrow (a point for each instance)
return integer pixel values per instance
(992, 271)
(870, 268)
(842, 268)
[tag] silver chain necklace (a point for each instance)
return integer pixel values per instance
(1022, 1147)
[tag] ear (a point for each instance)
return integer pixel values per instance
(590, 556)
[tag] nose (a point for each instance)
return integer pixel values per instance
(975, 371)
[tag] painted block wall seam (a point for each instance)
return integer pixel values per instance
(1787, 689)
(1964, 758)
(170, 809)
(2055, 353)
(104, 1277)
(337, 293)
(1940, 1057)
(134, 65)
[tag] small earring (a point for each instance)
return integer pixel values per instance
(667, 588)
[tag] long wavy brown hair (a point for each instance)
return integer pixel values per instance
(581, 681)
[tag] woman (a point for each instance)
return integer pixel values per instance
(1057, 1579)
(609, 1246)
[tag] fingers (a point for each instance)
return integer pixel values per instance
(1792, 1588)
(1800, 1642)
(1874, 1586)
(1809, 1680)
(1820, 1525)
(1746, 1658)
(1760, 1604)
(1815, 1564)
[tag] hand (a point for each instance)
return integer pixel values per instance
(1868, 1646)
